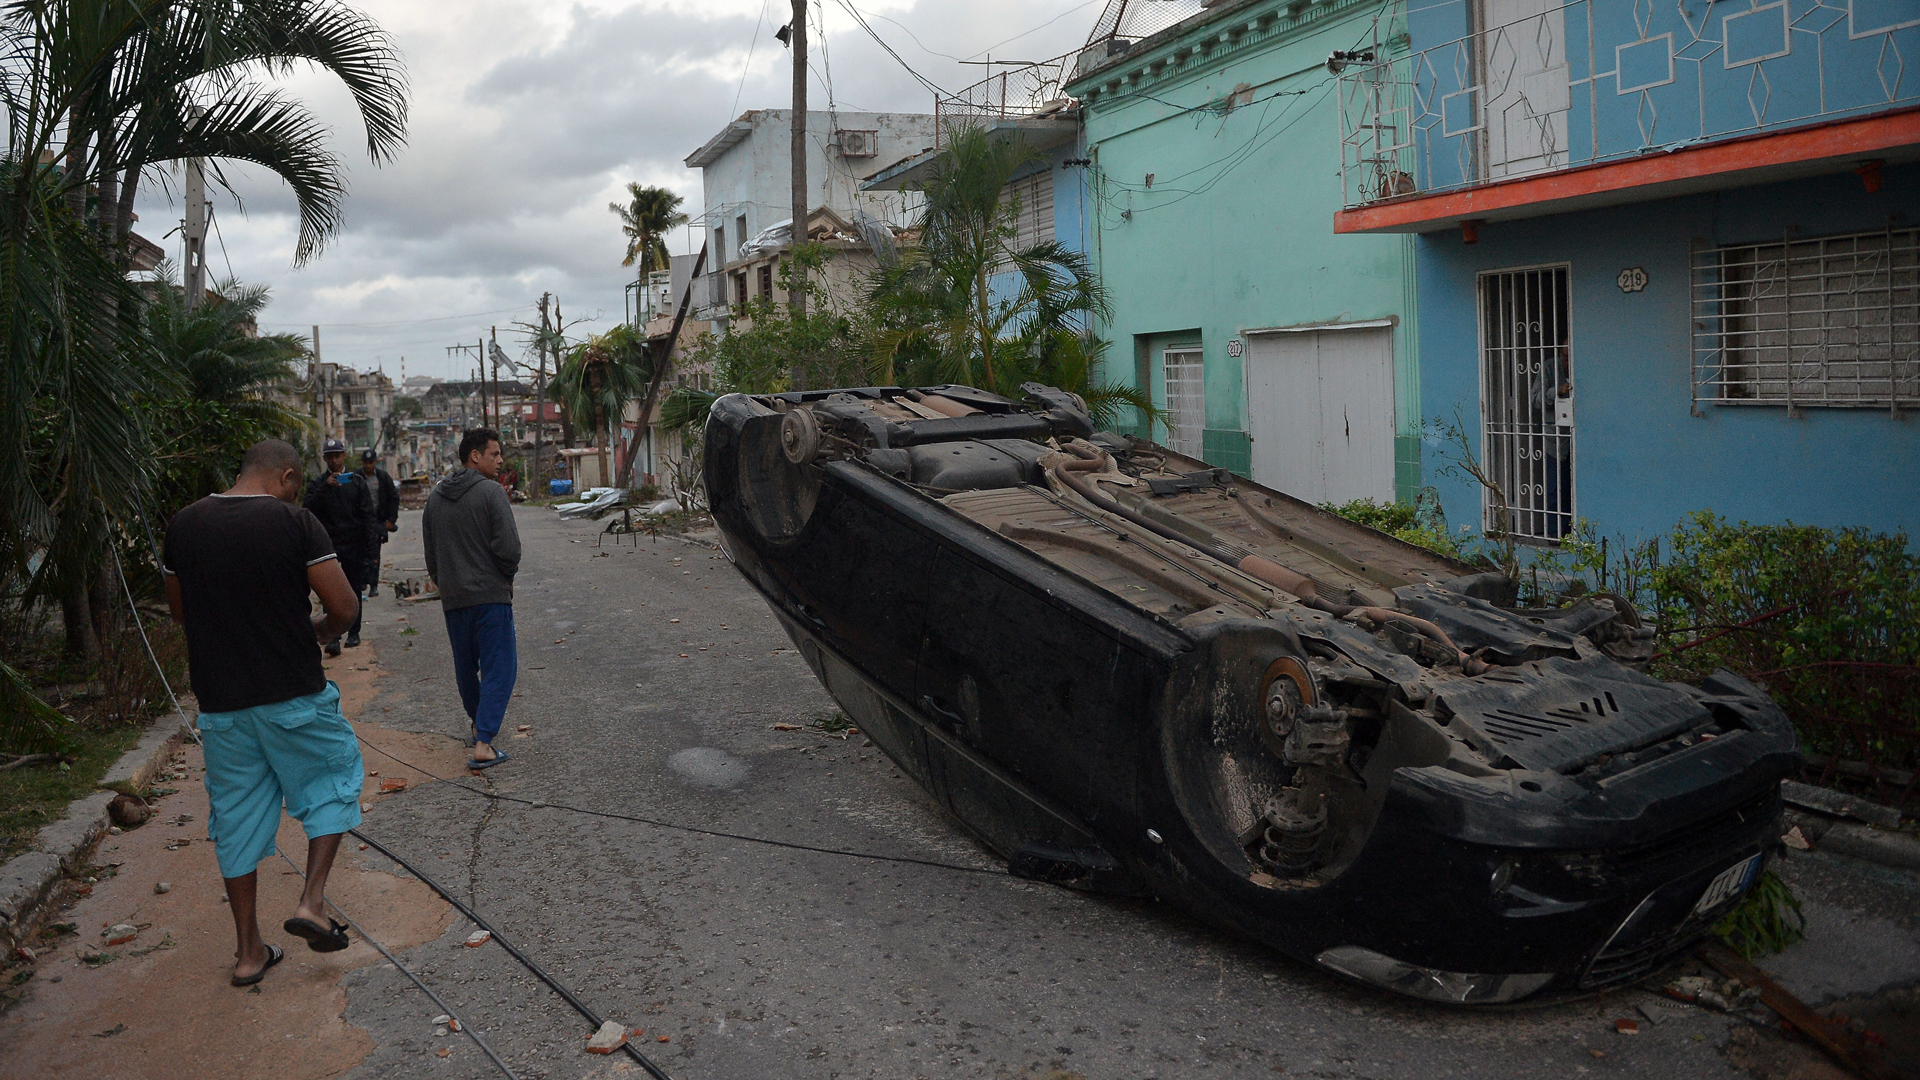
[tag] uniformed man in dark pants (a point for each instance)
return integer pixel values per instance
(386, 512)
(345, 504)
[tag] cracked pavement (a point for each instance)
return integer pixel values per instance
(652, 679)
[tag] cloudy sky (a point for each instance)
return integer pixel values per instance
(528, 118)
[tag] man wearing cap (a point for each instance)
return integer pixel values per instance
(386, 512)
(345, 505)
(238, 568)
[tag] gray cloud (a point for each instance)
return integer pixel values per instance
(526, 121)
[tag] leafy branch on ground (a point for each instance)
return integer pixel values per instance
(1767, 920)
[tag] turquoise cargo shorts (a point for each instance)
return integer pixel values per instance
(300, 753)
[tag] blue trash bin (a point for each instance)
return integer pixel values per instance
(560, 487)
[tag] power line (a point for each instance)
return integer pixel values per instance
(748, 66)
(414, 322)
(882, 42)
(1036, 29)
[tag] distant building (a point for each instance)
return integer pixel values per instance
(746, 174)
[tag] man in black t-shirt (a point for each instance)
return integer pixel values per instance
(345, 503)
(238, 568)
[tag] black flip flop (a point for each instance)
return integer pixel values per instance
(498, 756)
(319, 938)
(275, 954)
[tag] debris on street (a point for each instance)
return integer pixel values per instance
(609, 1038)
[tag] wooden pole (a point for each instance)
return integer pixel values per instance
(797, 299)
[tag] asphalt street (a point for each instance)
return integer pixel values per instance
(652, 679)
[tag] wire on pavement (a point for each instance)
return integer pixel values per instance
(541, 804)
(579, 1006)
(458, 1024)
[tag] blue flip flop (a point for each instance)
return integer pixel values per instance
(498, 757)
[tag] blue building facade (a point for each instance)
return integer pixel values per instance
(1667, 258)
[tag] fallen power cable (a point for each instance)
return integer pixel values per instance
(458, 1024)
(579, 1006)
(654, 1070)
(540, 804)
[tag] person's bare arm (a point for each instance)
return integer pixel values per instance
(336, 596)
(174, 603)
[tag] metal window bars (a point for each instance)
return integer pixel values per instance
(1526, 369)
(1583, 83)
(1829, 321)
(1185, 372)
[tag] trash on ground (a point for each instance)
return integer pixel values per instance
(479, 938)
(1796, 839)
(598, 502)
(161, 888)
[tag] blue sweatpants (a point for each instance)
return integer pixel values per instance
(485, 663)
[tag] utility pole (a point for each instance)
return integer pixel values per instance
(540, 398)
(477, 384)
(194, 232)
(797, 299)
(321, 399)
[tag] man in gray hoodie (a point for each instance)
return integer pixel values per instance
(473, 551)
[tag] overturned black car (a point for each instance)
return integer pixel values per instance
(1125, 671)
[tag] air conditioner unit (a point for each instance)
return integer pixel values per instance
(859, 143)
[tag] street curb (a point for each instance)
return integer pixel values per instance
(1896, 850)
(28, 880)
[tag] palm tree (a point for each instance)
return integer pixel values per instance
(966, 304)
(597, 379)
(227, 375)
(100, 93)
(649, 215)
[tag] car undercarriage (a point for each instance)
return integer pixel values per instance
(1125, 670)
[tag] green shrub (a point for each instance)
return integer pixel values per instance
(1400, 521)
(1823, 619)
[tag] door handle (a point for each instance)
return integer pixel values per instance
(954, 720)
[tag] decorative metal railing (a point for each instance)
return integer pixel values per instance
(1598, 80)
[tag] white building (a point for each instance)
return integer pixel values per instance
(747, 178)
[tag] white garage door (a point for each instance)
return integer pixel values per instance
(1320, 405)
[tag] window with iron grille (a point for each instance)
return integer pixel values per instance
(1831, 321)
(1526, 403)
(1184, 370)
(766, 280)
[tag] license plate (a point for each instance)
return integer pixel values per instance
(1731, 883)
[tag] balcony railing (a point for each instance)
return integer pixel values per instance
(1599, 80)
(1026, 90)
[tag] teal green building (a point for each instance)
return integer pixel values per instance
(1277, 348)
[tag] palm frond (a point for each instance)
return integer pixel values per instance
(29, 725)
